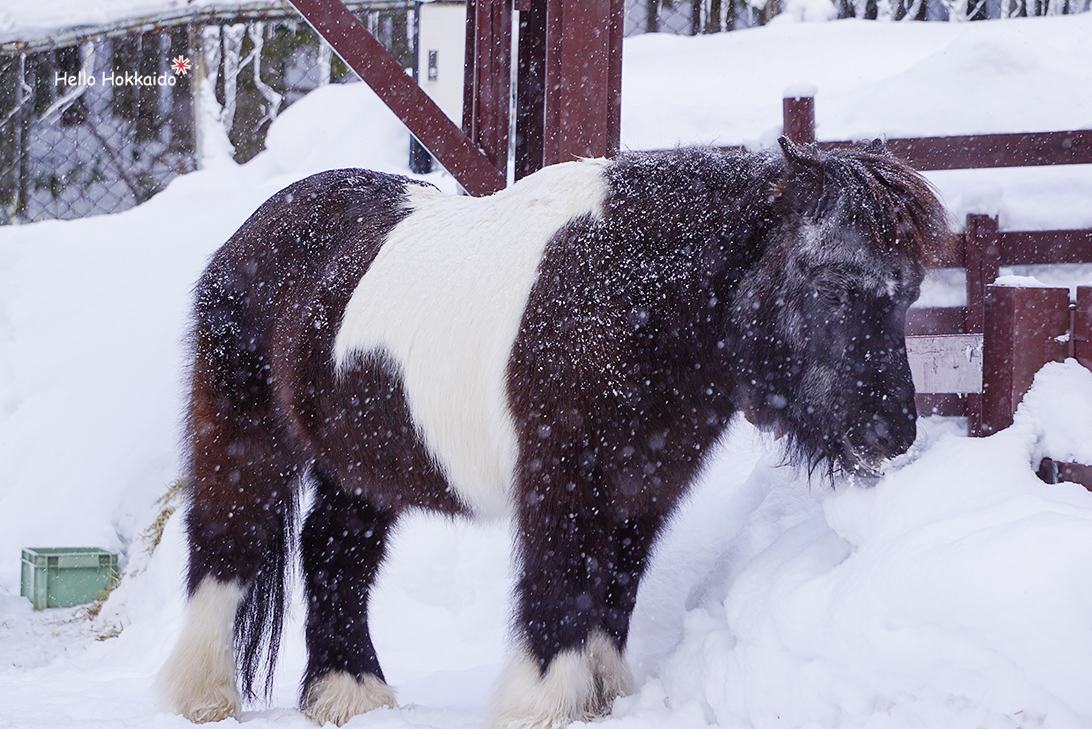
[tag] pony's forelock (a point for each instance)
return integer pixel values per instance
(898, 207)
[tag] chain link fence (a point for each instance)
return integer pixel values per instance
(689, 17)
(101, 120)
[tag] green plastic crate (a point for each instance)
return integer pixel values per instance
(66, 576)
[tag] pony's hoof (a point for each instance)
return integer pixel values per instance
(212, 704)
(197, 690)
(207, 714)
(339, 696)
(579, 685)
(198, 679)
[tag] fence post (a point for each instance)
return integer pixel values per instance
(798, 115)
(982, 260)
(1082, 327)
(1025, 328)
(981, 257)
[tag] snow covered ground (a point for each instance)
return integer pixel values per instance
(955, 593)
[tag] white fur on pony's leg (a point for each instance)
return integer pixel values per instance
(338, 697)
(610, 672)
(198, 679)
(578, 685)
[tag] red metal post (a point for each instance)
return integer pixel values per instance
(583, 90)
(530, 87)
(570, 73)
(617, 31)
(364, 54)
(488, 77)
(1024, 329)
(798, 118)
(569, 88)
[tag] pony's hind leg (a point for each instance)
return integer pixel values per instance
(198, 680)
(344, 541)
(229, 555)
(240, 511)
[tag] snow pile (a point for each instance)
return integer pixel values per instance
(955, 593)
(807, 11)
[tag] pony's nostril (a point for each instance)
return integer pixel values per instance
(880, 431)
(888, 434)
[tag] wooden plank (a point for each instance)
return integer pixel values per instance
(489, 60)
(935, 320)
(944, 404)
(468, 68)
(530, 89)
(976, 151)
(617, 32)
(583, 79)
(424, 119)
(1076, 473)
(982, 256)
(946, 364)
(798, 118)
(1021, 248)
(1053, 471)
(569, 88)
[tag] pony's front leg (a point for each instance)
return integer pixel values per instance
(579, 574)
(344, 541)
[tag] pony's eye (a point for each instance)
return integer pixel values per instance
(830, 296)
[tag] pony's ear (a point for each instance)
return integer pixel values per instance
(801, 185)
(877, 146)
(798, 156)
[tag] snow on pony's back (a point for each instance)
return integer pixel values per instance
(953, 594)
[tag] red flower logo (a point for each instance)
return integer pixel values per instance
(181, 65)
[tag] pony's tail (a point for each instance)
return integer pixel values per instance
(259, 620)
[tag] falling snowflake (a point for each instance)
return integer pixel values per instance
(181, 65)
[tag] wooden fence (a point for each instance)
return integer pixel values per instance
(978, 360)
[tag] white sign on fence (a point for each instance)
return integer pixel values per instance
(946, 364)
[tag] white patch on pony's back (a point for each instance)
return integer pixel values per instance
(443, 300)
(198, 679)
(579, 685)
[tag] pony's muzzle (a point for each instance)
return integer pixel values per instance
(879, 437)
